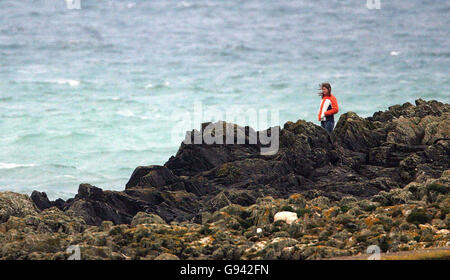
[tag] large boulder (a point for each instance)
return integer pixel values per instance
(285, 216)
(146, 218)
(17, 205)
(357, 134)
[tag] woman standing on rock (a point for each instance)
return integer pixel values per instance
(328, 107)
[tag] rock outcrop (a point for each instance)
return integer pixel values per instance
(361, 158)
(382, 180)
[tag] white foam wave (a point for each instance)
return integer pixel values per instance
(72, 83)
(125, 113)
(4, 165)
(67, 176)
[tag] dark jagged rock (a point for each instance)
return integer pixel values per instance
(41, 200)
(194, 158)
(96, 206)
(361, 158)
(86, 191)
(151, 176)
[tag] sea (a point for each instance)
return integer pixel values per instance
(91, 89)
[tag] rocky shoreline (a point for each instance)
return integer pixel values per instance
(381, 180)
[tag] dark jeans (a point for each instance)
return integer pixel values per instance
(328, 125)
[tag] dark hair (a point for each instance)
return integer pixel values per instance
(327, 86)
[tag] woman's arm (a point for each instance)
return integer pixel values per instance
(334, 107)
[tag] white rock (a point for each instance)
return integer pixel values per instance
(258, 230)
(206, 240)
(288, 217)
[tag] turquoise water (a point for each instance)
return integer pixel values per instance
(87, 95)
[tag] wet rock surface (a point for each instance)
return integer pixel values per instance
(378, 180)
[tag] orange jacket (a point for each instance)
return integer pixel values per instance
(328, 107)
